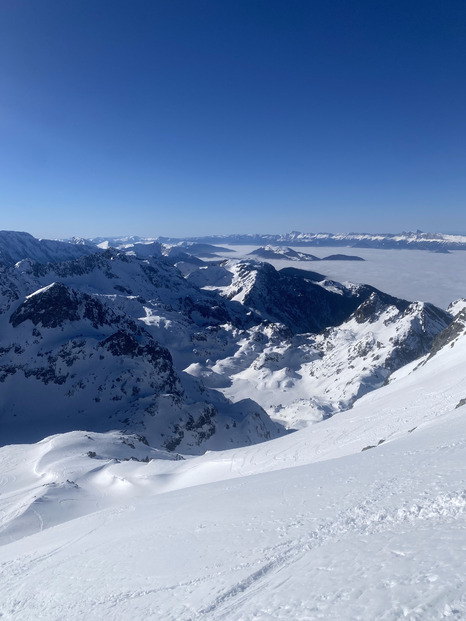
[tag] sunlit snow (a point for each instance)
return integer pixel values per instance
(359, 517)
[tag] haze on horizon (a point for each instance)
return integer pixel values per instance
(195, 118)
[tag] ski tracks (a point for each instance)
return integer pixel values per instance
(365, 518)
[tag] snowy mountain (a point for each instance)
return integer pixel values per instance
(435, 242)
(146, 470)
(149, 247)
(292, 298)
(113, 341)
(361, 516)
(300, 371)
(280, 252)
(15, 246)
(77, 352)
(117, 340)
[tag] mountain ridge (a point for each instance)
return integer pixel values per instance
(436, 242)
(241, 342)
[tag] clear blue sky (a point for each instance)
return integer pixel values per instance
(171, 117)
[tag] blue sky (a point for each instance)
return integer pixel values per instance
(218, 116)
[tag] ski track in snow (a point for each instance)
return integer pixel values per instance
(354, 522)
(359, 521)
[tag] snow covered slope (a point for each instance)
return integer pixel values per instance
(362, 516)
(127, 516)
(15, 246)
(305, 378)
(279, 252)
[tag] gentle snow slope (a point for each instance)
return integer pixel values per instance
(376, 535)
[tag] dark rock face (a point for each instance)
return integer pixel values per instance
(426, 323)
(122, 344)
(128, 345)
(79, 379)
(10, 289)
(49, 308)
(447, 336)
(57, 304)
(202, 427)
(291, 298)
(304, 274)
(375, 304)
(202, 312)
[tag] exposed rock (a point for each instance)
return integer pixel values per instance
(448, 336)
(342, 257)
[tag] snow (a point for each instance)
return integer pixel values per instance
(15, 246)
(361, 516)
(457, 306)
(371, 536)
(41, 290)
(302, 379)
(408, 274)
(308, 526)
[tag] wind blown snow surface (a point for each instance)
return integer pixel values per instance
(361, 516)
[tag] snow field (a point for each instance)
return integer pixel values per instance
(378, 534)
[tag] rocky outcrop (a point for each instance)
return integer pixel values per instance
(69, 361)
(293, 298)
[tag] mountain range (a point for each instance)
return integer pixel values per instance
(202, 360)
(435, 242)
(196, 436)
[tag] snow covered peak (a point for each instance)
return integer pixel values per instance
(457, 306)
(15, 246)
(282, 252)
(436, 242)
(292, 298)
(55, 304)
